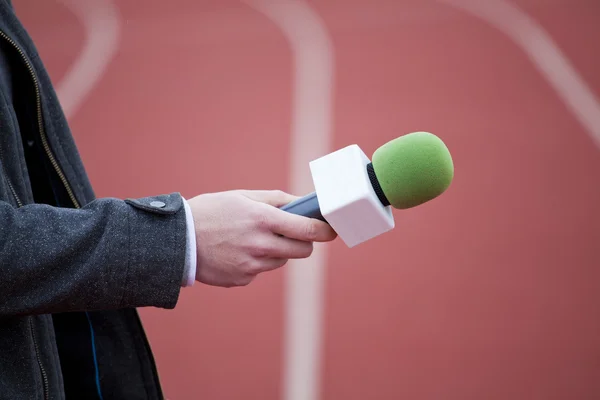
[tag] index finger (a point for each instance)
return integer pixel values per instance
(275, 198)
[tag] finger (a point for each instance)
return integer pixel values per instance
(275, 198)
(285, 247)
(270, 264)
(271, 245)
(298, 227)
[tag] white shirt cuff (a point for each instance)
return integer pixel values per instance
(189, 276)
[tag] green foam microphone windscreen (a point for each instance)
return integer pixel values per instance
(413, 169)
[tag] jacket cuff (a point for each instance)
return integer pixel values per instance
(157, 250)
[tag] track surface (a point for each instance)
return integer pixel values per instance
(490, 292)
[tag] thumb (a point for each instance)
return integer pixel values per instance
(275, 198)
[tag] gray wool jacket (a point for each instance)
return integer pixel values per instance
(73, 268)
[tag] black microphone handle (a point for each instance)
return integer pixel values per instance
(306, 206)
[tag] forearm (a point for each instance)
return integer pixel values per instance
(108, 254)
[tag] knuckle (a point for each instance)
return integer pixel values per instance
(260, 252)
(229, 285)
(260, 249)
(261, 220)
(300, 249)
(308, 250)
(279, 195)
(311, 231)
(244, 280)
(255, 267)
(246, 276)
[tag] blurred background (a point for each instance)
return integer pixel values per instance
(491, 291)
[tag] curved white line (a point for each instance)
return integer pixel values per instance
(545, 55)
(312, 52)
(101, 22)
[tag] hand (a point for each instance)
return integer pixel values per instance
(241, 233)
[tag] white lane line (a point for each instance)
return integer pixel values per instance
(545, 55)
(311, 132)
(100, 19)
(312, 53)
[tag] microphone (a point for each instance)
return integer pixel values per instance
(355, 195)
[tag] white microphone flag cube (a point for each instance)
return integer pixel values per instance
(346, 196)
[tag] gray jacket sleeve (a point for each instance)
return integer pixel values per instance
(109, 254)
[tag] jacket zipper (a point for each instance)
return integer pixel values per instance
(40, 121)
(60, 173)
(71, 196)
(10, 186)
(37, 353)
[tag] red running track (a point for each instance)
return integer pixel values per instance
(490, 292)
